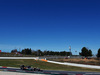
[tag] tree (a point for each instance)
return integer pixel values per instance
(27, 51)
(51, 53)
(68, 53)
(14, 51)
(84, 52)
(57, 53)
(39, 53)
(63, 53)
(45, 52)
(89, 53)
(98, 54)
(48, 52)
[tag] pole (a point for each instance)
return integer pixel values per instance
(70, 50)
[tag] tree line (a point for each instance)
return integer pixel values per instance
(46, 52)
(84, 52)
(39, 52)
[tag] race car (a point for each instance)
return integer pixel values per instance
(22, 67)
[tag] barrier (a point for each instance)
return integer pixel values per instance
(4, 67)
(43, 60)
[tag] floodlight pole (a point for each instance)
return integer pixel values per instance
(70, 50)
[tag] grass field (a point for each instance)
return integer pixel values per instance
(42, 65)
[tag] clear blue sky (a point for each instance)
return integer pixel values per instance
(50, 24)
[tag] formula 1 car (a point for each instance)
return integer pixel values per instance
(22, 67)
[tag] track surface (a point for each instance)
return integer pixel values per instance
(51, 72)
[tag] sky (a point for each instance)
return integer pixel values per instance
(50, 25)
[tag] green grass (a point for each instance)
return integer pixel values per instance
(42, 65)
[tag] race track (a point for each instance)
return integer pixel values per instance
(48, 72)
(44, 72)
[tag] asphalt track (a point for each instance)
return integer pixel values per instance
(48, 72)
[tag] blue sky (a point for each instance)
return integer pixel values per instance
(50, 24)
